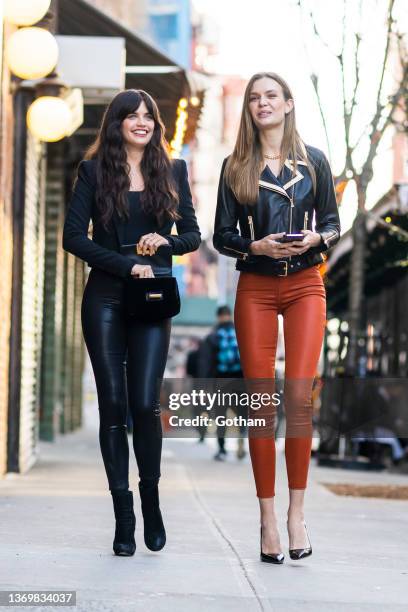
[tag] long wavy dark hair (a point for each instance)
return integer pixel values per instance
(160, 196)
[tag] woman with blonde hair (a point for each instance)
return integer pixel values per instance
(281, 193)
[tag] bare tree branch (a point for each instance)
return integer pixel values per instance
(340, 57)
(346, 112)
(379, 121)
(348, 107)
(363, 133)
(315, 82)
(315, 30)
(403, 60)
(375, 139)
(357, 37)
(402, 53)
(380, 107)
(377, 131)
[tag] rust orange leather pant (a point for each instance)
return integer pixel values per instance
(301, 299)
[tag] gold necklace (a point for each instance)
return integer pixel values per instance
(272, 156)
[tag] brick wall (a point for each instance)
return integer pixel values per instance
(32, 304)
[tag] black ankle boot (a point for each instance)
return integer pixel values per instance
(124, 543)
(154, 532)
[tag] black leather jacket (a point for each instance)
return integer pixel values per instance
(273, 213)
(103, 250)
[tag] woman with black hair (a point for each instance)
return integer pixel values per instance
(133, 193)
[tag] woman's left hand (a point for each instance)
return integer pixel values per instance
(149, 243)
(311, 239)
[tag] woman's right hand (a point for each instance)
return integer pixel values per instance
(142, 271)
(270, 247)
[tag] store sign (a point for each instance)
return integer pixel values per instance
(96, 64)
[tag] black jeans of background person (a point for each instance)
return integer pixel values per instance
(128, 359)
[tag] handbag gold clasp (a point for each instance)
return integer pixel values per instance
(150, 296)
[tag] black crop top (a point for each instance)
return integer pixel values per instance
(139, 223)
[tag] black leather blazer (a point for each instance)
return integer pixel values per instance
(102, 251)
(274, 213)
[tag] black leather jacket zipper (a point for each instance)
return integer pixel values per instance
(292, 206)
(251, 227)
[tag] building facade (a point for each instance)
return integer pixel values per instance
(6, 241)
(41, 346)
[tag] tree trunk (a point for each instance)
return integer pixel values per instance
(356, 291)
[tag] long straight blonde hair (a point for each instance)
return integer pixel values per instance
(246, 161)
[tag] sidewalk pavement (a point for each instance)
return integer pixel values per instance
(57, 526)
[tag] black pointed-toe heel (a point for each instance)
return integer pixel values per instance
(301, 553)
(277, 558)
(154, 532)
(124, 542)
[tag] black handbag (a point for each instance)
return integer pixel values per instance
(152, 299)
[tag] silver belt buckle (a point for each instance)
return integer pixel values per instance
(286, 267)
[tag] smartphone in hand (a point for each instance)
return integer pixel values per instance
(292, 237)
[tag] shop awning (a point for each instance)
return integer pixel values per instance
(80, 18)
(386, 255)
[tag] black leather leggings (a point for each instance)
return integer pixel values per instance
(128, 360)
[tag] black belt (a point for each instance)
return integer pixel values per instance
(283, 267)
(280, 267)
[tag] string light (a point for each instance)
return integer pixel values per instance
(393, 229)
(177, 141)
